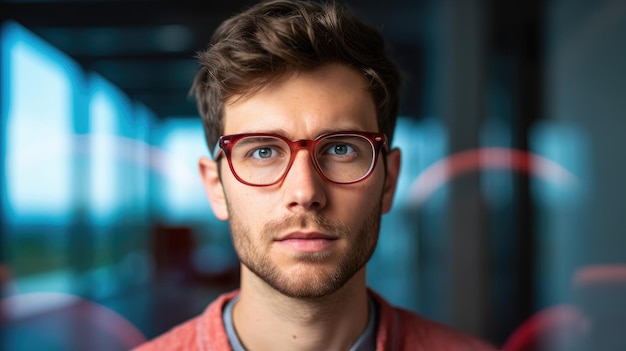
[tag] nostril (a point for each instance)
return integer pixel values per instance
(314, 204)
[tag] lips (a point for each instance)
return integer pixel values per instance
(306, 236)
(306, 242)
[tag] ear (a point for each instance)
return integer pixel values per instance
(213, 187)
(391, 180)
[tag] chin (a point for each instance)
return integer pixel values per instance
(308, 279)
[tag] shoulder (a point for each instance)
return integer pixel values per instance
(400, 329)
(205, 332)
(433, 335)
(181, 337)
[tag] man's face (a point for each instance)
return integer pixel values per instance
(304, 236)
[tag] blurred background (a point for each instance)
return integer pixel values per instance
(509, 219)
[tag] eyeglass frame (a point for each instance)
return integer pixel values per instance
(225, 144)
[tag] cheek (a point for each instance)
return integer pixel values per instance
(372, 187)
(251, 205)
(357, 200)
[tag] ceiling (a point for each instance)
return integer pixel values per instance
(147, 47)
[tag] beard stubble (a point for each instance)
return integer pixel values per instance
(313, 280)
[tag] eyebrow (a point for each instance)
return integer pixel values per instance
(256, 139)
(278, 131)
(284, 133)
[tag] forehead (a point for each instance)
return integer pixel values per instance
(303, 105)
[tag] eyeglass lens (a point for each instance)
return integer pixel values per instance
(263, 160)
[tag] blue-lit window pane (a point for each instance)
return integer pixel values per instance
(39, 94)
(497, 184)
(182, 197)
(108, 125)
(144, 122)
(423, 146)
(561, 179)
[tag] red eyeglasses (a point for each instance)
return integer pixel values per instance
(262, 159)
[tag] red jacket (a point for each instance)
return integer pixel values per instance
(397, 330)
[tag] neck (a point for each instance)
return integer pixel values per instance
(268, 320)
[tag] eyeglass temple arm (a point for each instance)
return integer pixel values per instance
(216, 151)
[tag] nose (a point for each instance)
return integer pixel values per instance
(304, 189)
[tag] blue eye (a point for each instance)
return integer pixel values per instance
(340, 149)
(263, 152)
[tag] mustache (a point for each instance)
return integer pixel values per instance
(306, 220)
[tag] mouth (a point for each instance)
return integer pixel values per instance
(306, 241)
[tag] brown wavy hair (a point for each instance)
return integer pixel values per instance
(274, 38)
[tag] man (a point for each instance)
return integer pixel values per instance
(300, 101)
